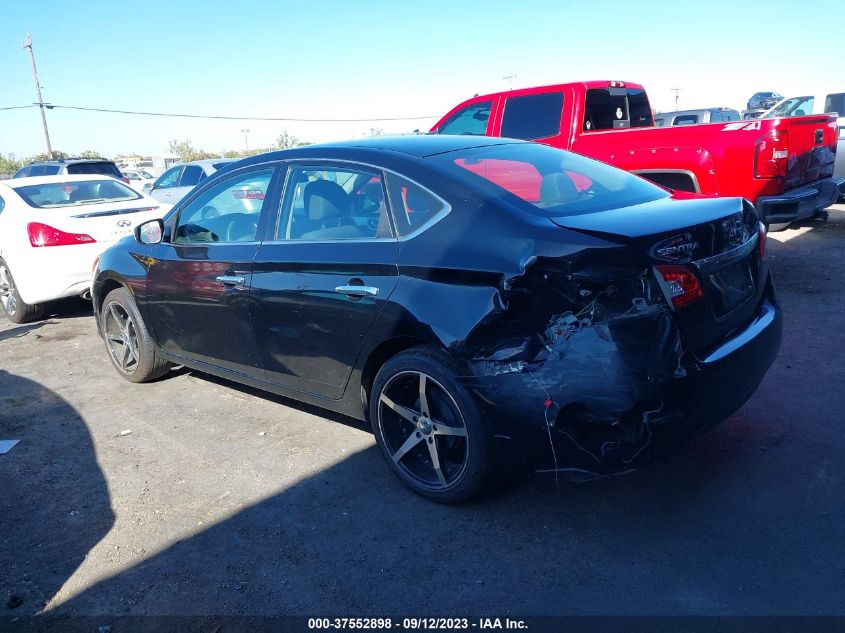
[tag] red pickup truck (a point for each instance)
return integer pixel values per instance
(783, 166)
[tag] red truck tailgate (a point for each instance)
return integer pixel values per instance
(812, 150)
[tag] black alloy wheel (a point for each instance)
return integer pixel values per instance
(428, 428)
(131, 349)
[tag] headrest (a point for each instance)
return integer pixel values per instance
(557, 188)
(325, 199)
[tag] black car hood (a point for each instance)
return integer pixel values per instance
(658, 216)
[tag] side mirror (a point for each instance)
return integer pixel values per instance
(150, 232)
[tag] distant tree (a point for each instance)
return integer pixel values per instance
(43, 156)
(9, 164)
(186, 151)
(286, 140)
(89, 153)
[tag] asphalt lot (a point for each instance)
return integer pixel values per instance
(224, 501)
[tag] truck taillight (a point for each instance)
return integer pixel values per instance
(45, 235)
(682, 284)
(761, 239)
(771, 155)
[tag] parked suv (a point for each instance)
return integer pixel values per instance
(71, 166)
(763, 100)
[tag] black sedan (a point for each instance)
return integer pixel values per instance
(478, 300)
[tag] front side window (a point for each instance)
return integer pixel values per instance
(330, 203)
(2, 204)
(797, 106)
(227, 212)
(168, 179)
(413, 207)
(548, 181)
(532, 116)
(69, 194)
(191, 176)
(469, 120)
(614, 108)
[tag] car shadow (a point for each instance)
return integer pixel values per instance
(17, 331)
(48, 525)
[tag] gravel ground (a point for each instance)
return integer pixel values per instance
(194, 496)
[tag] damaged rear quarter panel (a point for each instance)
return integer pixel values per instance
(491, 285)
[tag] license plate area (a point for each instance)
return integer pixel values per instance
(731, 287)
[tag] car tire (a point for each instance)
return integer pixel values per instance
(440, 446)
(130, 347)
(15, 308)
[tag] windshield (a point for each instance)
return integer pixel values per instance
(554, 182)
(69, 194)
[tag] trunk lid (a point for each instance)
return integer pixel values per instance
(716, 239)
(105, 222)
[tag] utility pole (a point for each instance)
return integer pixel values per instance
(27, 43)
(676, 91)
(509, 79)
(246, 140)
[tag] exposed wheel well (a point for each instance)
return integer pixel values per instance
(678, 180)
(378, 357)
(108, 286)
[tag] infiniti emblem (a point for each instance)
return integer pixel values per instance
(124, 223)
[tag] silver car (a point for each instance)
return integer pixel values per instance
(176, 182)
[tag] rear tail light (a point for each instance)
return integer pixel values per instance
(682, 284)
(125, 179)
(771, 155)
(761, 238)
(44, 235)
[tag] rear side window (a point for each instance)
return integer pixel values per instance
(108, 169)
(686, 119)
(616, 108)
(469, 120)
(191, 176)
(40, 170)
(413, 207)
(532, 116)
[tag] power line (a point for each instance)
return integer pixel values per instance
(32, 105)
(239, 118)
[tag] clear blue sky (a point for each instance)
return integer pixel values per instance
(379, 59)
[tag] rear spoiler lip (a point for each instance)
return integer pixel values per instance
(99, 214)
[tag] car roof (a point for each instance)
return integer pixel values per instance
(416, 145)
(208, 161)
(69, 161)
(15, 183)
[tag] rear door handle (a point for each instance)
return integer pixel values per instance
(231, 280)
(357, 291)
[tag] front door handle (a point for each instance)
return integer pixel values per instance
(231, 280)
(357, 291)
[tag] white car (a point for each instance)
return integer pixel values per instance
(53, 229)
(139, 179)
